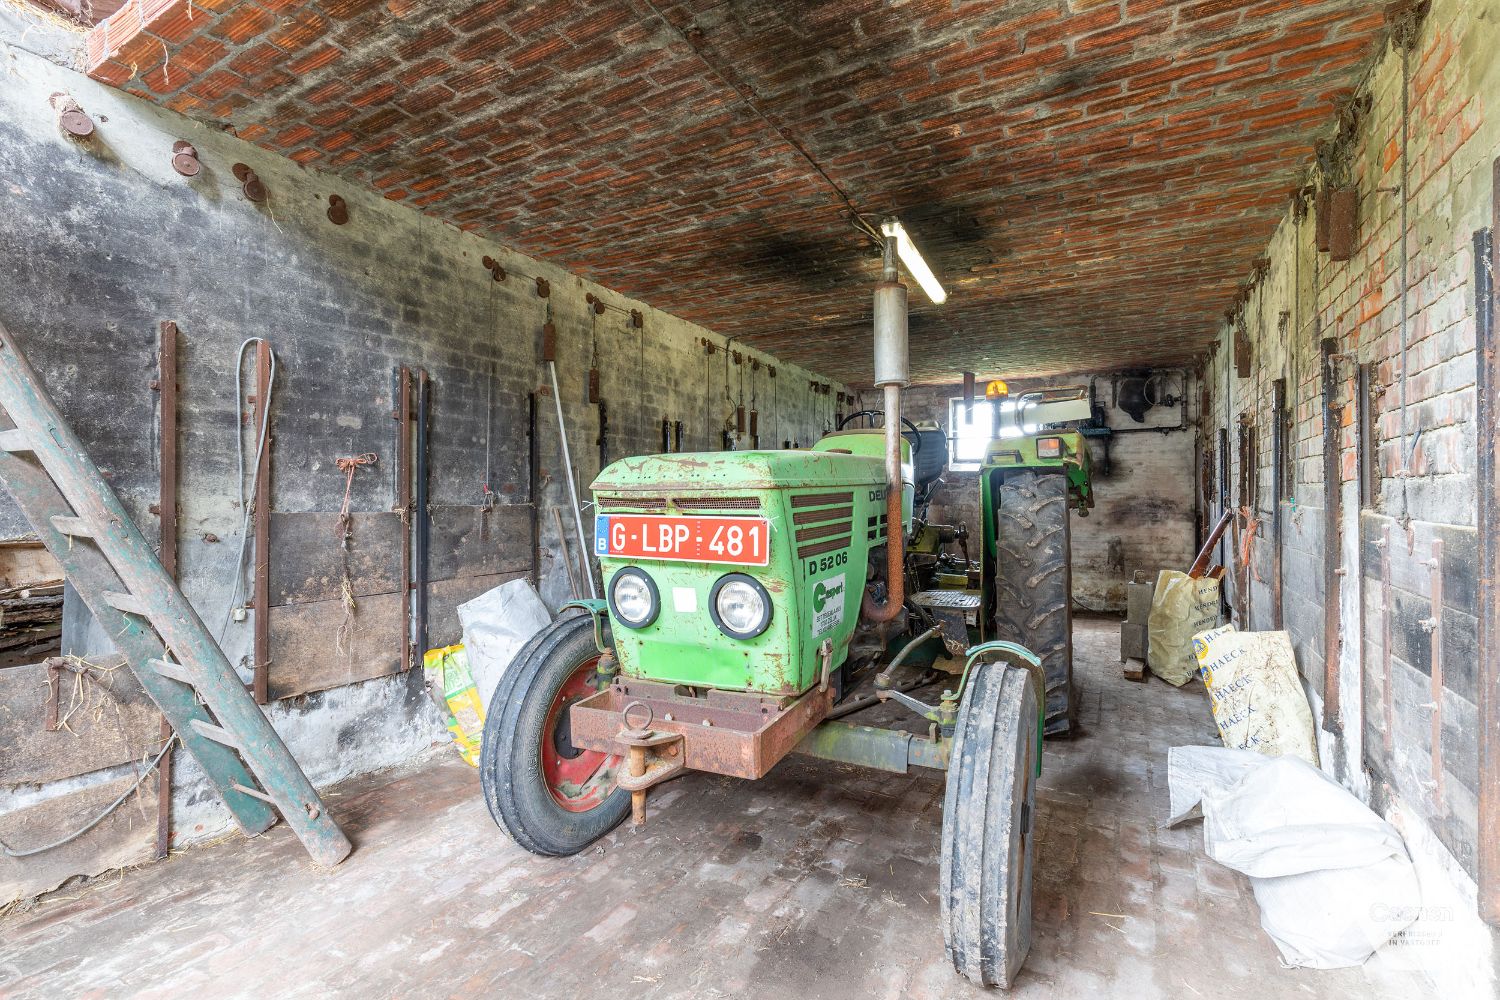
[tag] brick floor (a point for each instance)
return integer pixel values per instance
(815, 882)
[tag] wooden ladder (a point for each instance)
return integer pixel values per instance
(115, 570)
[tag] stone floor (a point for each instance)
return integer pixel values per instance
(815, 882)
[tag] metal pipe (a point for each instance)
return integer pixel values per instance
(891, 374)
(869, 701)
(562, 434)
(906, 651)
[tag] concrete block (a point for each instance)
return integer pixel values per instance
(1132, 641)
(1138, 597)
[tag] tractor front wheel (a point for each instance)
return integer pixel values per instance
(552, 797)
(1034, 583)
(988, 815)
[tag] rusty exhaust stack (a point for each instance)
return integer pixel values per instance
(891, 374)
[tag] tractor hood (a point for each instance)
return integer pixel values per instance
(738, 470)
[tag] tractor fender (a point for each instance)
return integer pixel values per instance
(598, 608)
(1019, 657)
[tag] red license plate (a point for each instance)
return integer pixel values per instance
(741, 541)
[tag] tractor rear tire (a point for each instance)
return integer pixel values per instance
(553, 798)
(1034, 583)
(988, 817)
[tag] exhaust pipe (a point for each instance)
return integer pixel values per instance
(892, 373)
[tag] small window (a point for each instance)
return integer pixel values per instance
(969, 437)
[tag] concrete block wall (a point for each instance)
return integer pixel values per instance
(1145, 506)
(1378, 573)
(100, 241)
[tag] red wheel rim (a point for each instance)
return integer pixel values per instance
(584, 781)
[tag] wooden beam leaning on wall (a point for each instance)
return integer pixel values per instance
(1487, 356)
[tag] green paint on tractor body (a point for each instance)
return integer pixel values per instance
(824, 509)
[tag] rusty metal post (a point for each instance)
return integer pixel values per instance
(1278, 494)
(403, 503)
(262, 527)
(1486, 260)
(638, 796)
(533, 473)
(1434, 627)
(1333, 515)
(166, 388)
(1387, 702)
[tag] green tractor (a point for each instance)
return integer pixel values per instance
(747, 594)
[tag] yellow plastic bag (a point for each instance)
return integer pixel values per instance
(1180, 608)
(1256, 694)
(447, 673)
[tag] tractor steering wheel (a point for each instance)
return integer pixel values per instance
(916, 436)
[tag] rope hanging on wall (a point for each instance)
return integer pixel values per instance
(345, 532)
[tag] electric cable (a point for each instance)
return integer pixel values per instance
(11, 852)
(239, 453)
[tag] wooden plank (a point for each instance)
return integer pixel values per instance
(304, 644)
(469, 541)
(109, 720)
(126, 837)
(25, 564)
(444, 597)
(307, 558)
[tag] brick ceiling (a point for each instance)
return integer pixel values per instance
(1090, 178)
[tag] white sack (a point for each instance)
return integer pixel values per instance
(1193, 771)
(1333, 880)
(1255, 692)
(496, 625)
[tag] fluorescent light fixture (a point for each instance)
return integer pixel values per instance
(915, 265)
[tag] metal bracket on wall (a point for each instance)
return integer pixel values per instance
(1434, 629)
(262, 528)
(166, 509)
(1333, 515)
(402, 398)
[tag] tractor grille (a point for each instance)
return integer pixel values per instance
(636, 504)
(716, 503)
(825, 522)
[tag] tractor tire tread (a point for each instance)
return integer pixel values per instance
(1034, 583)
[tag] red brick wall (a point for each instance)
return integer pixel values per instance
(1405, 695)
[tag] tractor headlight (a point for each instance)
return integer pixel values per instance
(740, 606)
(1049, 447)
(633, 598)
